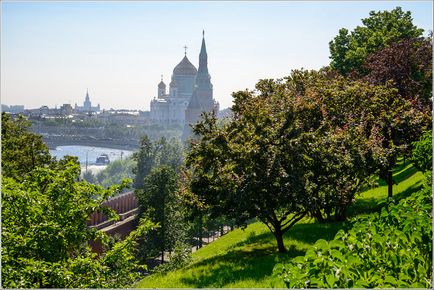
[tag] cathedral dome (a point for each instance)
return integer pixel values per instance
(185, 67)
(161, 85)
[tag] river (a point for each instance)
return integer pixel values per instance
(90, 154)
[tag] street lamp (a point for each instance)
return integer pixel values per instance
(87, 152)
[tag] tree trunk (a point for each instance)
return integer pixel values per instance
(200, 230)
(389, 183)
(319, 217)
(162, 257)
(279, 239)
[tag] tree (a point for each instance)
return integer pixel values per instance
(145, 161)
(22, 151)
(408, 65)
(89, 177)
(349, 50)
(115, 172)
(422, 152)
(252, 166)
(158, 202)
(153, 154)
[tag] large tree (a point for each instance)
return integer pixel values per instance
(349, 50)
(158, 201)
(252, 166)
(406, 66)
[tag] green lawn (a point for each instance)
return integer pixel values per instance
(245, 258)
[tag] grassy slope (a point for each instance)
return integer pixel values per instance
(246, 258)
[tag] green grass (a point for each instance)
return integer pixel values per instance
(408, 180)
(242, 258)
(245, 258)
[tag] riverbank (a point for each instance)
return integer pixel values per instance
(113, 144)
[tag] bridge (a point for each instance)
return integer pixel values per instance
(126, 207)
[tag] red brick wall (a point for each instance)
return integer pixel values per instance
(121, 204)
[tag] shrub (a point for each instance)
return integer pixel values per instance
(389, 249)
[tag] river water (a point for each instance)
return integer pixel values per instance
(90, 153)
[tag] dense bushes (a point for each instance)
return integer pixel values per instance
(389, 249)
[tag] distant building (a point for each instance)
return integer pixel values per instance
(178, 107)
(87, 106)
(66, 109)
(202, 98)
(14, 109)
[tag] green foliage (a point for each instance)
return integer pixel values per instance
(22, 151)
(45, 237)
(45, 209)
(390, 249)
(408, 64)
(422, 152)
(245, 258)
(115, 172)
(349, 50)
(159, 202)
(181, 257)
(89, 177)
(152, 154)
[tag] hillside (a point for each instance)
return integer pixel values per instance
(245, 258)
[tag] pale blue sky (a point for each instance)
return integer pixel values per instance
(52, 51)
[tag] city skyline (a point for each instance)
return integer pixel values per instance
(53, 52)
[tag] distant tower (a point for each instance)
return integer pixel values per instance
(87, 104)
(202, 98)
(203, 84)
(173, 88)
(161, 88)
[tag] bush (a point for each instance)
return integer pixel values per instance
(181, 257)
(386, 250)
(422, 152)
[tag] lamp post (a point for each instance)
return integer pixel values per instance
(87, 153)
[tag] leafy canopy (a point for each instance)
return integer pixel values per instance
(349, 50)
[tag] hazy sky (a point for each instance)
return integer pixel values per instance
(52, 51)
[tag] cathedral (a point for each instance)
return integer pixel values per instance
(190, 93)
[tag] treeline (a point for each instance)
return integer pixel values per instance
(97, 128)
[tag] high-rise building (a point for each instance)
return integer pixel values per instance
(87, 105)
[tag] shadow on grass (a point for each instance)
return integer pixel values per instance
(364, 206)
(255, 257)
(404, 174)
(400, 173)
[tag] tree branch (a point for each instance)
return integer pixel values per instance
(293, 221)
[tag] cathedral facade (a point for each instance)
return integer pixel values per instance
(190, 93)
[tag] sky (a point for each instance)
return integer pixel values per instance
(51, 52)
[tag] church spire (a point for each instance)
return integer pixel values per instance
(203, 58)
(203, 47)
